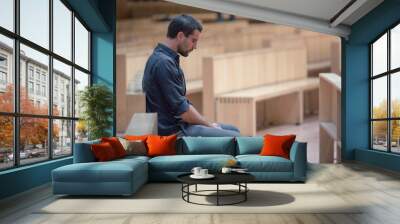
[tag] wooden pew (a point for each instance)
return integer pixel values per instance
(282, 103)
(158, 30)
(319, 47)
(191, 66)
(323, 55)
(245, 78)
(241, 37)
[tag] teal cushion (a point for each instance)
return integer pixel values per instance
(111, 171)
(93, 172)
(257, 163)
(249, 145)
(185, 163)
(207, 145)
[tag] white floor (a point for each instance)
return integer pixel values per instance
(308, 132)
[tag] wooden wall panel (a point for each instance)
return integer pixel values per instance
(121, 93)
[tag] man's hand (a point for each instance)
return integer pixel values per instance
(193, 117)
(216, 125)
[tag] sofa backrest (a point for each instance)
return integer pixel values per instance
(192, 146)
(83, 153)
(249, 145)
(207, 145)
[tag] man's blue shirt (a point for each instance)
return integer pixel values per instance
(165, 89)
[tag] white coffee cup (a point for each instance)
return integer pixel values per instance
(196, 170)
(203, 172)
(226, 170)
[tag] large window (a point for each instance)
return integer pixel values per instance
(385, 91)
(44, 64)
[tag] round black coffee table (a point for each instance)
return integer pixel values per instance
(238, 179)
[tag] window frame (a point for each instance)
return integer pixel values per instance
(16, 114)
(388, 74)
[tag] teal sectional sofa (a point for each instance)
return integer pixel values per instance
(125, 176)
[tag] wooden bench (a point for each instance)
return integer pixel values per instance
(232, 72)
(284, 104)
(321, 48)
(244, 88)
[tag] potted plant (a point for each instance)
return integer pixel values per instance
(96, 102)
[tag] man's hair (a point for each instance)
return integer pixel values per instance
(184, 23)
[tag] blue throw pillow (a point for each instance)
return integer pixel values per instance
(249, 145)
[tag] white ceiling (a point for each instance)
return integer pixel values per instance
(315, 15)
(321, 9)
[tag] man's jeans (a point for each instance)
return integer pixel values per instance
(226, 130)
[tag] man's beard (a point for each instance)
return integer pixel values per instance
(183, 52)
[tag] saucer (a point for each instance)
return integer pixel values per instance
(208, 176)
(240, 171)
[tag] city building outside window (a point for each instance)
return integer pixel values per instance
(30, 87)
(3, 71)
(37, 75)
(43, 77)
(3, 78)
(30, 72)
(3, 61)
(38, 89)
(43, 90)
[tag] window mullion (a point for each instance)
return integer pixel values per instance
(50, 81)
(389, 104)
(16, 84)
(371, 98)
(73, 82)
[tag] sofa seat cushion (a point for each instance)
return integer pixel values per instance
(185, 163)
(257, 163)
(112, 171)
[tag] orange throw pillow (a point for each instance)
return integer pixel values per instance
(275, 145)
(103, 152)
(161, 145)
(116, 145)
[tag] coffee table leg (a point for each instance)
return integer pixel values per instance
(188, 189)
(245, 191)
(196, 188)
(217, 194)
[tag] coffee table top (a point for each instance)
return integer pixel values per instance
(220, 178)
